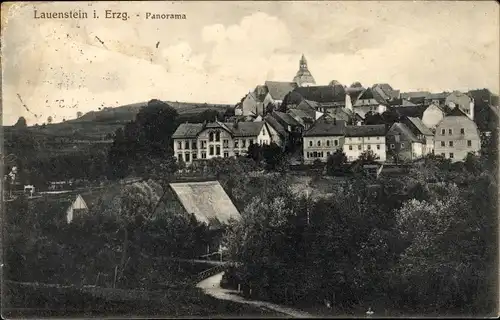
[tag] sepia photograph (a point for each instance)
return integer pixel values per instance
(249, 159)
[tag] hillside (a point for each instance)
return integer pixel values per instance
(95, 127)
(101, 124)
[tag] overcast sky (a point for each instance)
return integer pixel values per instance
(224, 49)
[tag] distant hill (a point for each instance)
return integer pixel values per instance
(102, 123)
(94, 127)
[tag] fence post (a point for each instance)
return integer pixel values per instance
(239, 287)
(97, 278)
(114, 281)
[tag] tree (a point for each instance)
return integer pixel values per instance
(209, 115)
(269, 108)
(21, 123)
(273, 156)
(389, 117)
(141, 141)
(49, 120)
(335, 163)
(255, 152)
(155, 125)
(368, 157)
(136, 204)
(372, 118)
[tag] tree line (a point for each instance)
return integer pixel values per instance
(424, 243)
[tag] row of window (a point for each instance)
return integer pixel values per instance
(369, 147)
(214, 136)
(317, 154)
(450, 131)
(225, 144)
(318, 143)
(450, 143)
(187, 156)
(358, 139)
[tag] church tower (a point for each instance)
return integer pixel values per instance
(303, 77)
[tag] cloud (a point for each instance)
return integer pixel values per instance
(219, 57)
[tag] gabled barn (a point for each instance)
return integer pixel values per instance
(207, 200)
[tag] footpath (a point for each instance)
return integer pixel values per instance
(211, 286)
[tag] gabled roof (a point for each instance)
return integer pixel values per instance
(365, 131)
(411, 111)
(326, 126)
(286, 118)
(334, 93)
(357, 116)
(420, 126)
(403, 130)
(415, 94)
(242, 129)
(308, 107)
(300, 114)
(386, 91)
(456, 112)
(245, 129)
(187, 130)
(437, 96)
(278, 90)
(402, 103)
(275, 125)
(336, 111)
(371, 94)
(206, 200)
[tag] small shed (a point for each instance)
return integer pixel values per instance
(77, 207)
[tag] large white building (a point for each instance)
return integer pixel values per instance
(456, 135)
(328, 135)
(359, 139)
(324, 138)
(194, 141)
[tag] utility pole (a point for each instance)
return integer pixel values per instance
(307, 205)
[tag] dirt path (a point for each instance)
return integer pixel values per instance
(211, 286)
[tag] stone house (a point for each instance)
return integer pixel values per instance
(322, 139)
(456, 135)
(462, 101)
(359, 139)
(424, 134)
(193, 141)
(402, 144)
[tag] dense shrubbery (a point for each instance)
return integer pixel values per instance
(422, 244)
(41, 246)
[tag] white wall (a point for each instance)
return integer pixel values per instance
(355, 146)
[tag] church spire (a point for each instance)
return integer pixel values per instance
(303, 76)
(303, 63)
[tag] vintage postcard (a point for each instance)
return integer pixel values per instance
(234, 159)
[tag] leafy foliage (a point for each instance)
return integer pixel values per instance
(335, 163)
(422, 243)
(148, 137)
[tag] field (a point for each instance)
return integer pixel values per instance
(25, 300)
